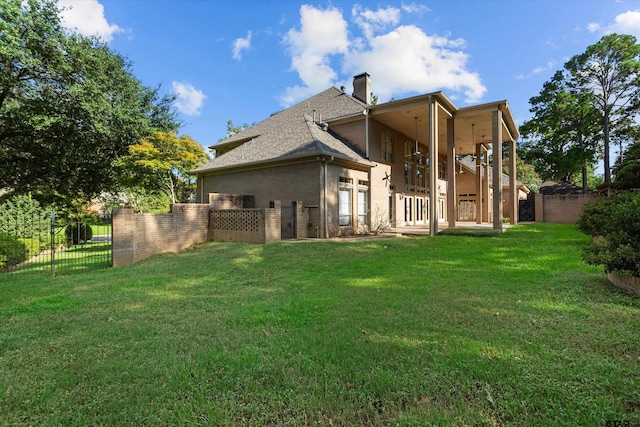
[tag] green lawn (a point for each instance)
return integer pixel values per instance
(446, 330)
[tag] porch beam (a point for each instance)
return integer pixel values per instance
(496, 164)
(451, 175)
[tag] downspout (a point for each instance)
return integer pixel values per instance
(366, 133)
(201, 179)
(326, 204)
(366, 148)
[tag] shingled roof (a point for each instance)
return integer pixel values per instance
(555, 188)
(291, 134)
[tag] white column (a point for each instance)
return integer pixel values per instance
(513, 189)
(433, 168)
(496, 165)
(452, 192)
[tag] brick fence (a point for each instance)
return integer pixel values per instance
(562, 209)
(245, 225)
(139, 236)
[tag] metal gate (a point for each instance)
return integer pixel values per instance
(527, 209)
(53, 243)
(288, 222)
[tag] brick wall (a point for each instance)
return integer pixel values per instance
(139, 236)
(245, 225)
(561, 209)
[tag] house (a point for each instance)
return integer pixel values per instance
(358, 166)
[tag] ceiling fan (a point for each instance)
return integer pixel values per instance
(416, 151)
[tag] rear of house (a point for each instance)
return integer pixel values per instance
(415, 162)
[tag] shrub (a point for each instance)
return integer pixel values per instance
(23, 217)
(79, 232)
(617, 220)
(596, 217)
(32, 247)
(470, 232)
(12, 251)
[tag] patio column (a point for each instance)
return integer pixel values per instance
(451, 176)
(485, 183)
(496, 165)
(513, 190)
(433, 168)
(479, 197)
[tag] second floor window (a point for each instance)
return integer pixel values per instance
(386, 147)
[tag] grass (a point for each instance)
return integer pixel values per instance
(80, 257)
(447, 330)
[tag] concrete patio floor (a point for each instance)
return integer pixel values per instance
(423, 230)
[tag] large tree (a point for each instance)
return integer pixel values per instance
(560, 139)
(627, 168)
(69, 106)
(163, 161)
(610, 71)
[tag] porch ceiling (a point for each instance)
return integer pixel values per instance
(472, 124)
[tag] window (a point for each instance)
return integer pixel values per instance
(386, 147)
(419, 209)
(420, 176)
(344, 206)
(408, 209)
(362, 207)
(442, 168)
(409, 176)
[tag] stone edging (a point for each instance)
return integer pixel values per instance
(628, 283)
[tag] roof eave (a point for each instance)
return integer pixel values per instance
(310, 156)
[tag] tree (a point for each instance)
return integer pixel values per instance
(164, 160)
(233, 129)
(525, 173)
(627, 168)
(610, 71)
(69, 107)
(561, 137)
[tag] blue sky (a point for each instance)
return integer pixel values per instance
(244, 60)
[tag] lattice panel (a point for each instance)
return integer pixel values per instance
(236, 220)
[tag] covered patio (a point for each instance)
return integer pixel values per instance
(447, 132)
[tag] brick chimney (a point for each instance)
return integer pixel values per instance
(362, 87)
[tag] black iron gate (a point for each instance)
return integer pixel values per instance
(53, 243)
(288, 221)
(527, 209)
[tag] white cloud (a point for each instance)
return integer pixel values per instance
(322, 33)
(408, 60)
(87, 17)
(189, 99)
(548, 66)
(372, 22)
(401, 59)
(240, 45)
(415, 8)
(624, 23)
